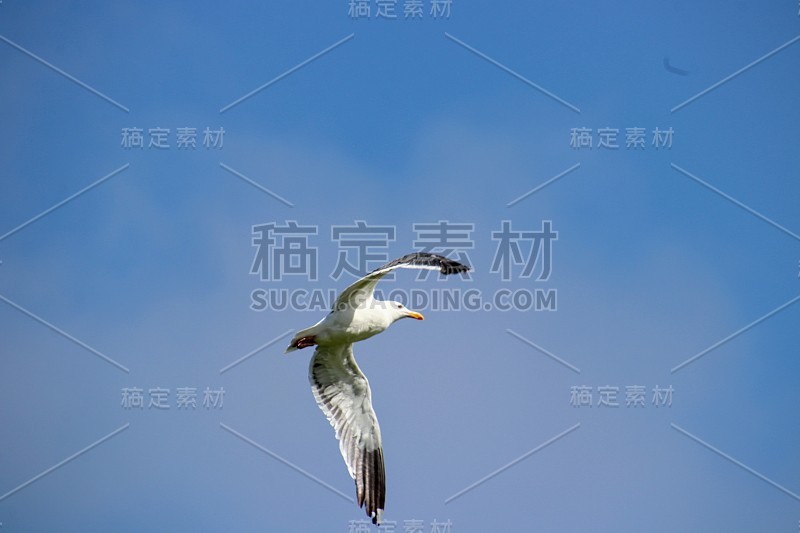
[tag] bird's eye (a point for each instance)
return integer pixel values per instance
(399, 306)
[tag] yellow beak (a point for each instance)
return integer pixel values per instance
(415, 315)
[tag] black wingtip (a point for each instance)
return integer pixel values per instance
(446, 266)
(453, 267)
(372, 491)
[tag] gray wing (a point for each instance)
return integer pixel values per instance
(342, 392)
(361, 290)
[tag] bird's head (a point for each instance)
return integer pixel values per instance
(401, 311)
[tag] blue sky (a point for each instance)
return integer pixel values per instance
(401, 124)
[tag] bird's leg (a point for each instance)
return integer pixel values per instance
(305, 342)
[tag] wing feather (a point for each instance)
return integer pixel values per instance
(342, 392)
(360, 291)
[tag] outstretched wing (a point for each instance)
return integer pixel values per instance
(361, 290)
(342, 392)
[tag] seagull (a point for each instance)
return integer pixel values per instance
(341, 389)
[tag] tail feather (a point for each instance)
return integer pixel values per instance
(308, 332)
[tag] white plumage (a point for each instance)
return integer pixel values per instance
(341, 389)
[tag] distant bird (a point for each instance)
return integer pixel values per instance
(341, 389)
(674, 70)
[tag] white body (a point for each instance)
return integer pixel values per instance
(347, 326)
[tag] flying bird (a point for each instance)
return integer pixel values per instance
(341, 389)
